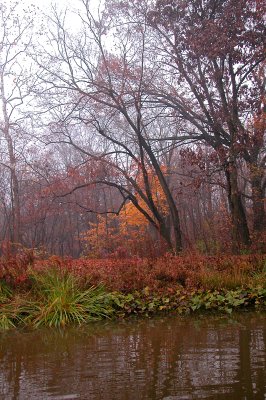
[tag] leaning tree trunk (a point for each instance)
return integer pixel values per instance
(175, 220)
(240, 231)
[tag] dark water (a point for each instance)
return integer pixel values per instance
(167, 358)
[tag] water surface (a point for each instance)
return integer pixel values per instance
(165, 358)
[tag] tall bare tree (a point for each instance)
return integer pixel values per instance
(15, 39)
(105, 93)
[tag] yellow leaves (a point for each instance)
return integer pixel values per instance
(131, 216)
(130, 230)
(102, 237)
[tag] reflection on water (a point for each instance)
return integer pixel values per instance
(166, 358)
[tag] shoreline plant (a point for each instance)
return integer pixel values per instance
(58, 292)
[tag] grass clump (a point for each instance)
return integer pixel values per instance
(11, 310)
(217, 280)
(8, 317)
(6, 313)
(5, 292)
(60, 300)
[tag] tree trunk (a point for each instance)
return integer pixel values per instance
(14, 188)
(165, 233)
(240, 231)
(177, 245)
(16, 225)
(14, 183)
(177, 238)
(259, 221)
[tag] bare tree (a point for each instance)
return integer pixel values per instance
(15, 39)
(105, 93)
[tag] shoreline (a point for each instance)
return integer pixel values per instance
(26, 310)
(60, 292)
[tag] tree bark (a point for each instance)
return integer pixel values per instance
(14, 183)
(240, 231)
(177, 238)
(259, 220)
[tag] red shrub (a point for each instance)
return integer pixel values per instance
(13, 268)
(135, 274)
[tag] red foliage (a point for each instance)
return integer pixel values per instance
(136, 274)
(14, 266)
(127, 275)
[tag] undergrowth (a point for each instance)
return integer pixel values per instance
(55, 299)
(58, 292)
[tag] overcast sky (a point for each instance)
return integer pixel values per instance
(72, 5)
(44, 4)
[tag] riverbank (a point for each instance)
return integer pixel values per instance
(58, 292)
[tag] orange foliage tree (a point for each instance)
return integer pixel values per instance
(130, 232)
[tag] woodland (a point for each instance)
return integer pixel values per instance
(133, 129)
(132, 159)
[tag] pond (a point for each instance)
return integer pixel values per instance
(163, 358)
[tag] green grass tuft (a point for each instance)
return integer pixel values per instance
(6, 320)
(60, 300)
(5, 292)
